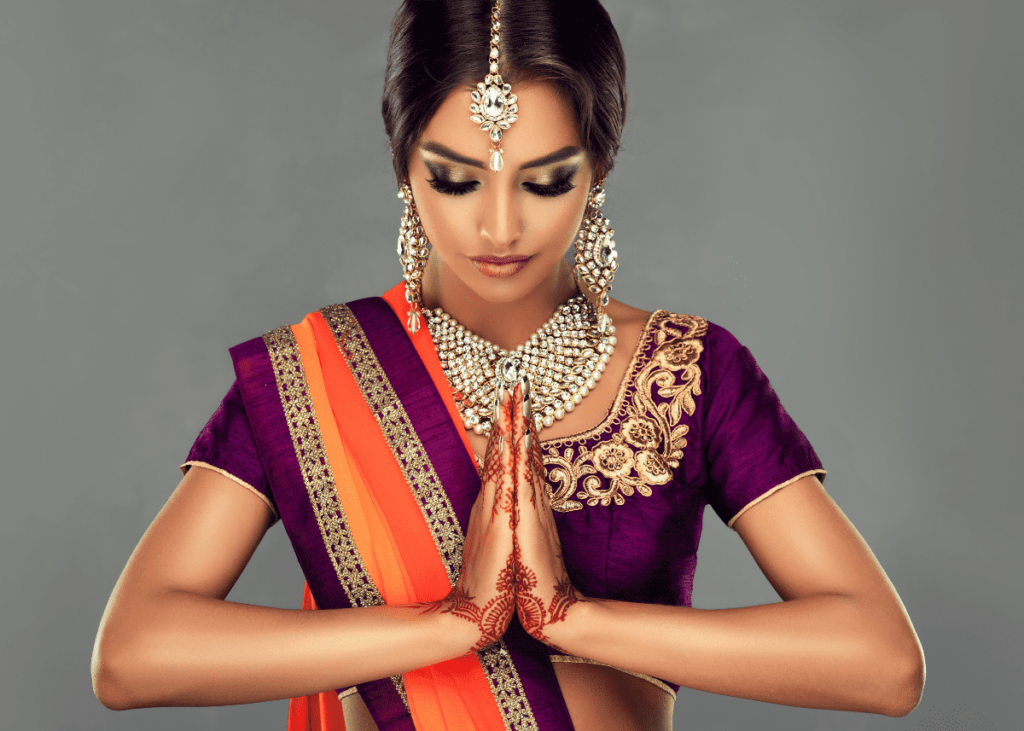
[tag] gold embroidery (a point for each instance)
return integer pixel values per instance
(507, 688)
(650, 441)
(437, 509)
(398, 431)
(311, 454)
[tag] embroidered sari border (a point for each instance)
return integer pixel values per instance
(390, 518)
(311, 454)
(405, 360)
(394, 423)
(267, 411)
(404, 399)
(300, 382)
(267, 408)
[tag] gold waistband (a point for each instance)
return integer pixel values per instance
(586, 661)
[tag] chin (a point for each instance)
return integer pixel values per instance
(499, 292)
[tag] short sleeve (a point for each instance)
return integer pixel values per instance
(226, 445)
(752, 447)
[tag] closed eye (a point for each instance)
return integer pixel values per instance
(443, 185)
(560, 187)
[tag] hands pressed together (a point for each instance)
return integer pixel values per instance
(512, 556)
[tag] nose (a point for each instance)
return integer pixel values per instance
(500, 220)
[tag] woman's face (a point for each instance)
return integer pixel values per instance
(527, 214)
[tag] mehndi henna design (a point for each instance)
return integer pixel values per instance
(565, 596)
(504, 487)
(492, 619)
(533, 614)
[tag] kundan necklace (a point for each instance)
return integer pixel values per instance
(564, 360)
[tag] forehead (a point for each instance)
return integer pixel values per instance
(545, 124)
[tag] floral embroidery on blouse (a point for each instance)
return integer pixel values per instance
(649, 444)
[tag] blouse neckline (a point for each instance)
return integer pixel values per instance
(641, 346)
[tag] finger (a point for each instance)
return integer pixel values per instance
(526, 443)
(499, 473)
(505, 490)
(492, 471)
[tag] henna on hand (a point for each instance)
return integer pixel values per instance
(534, 613)
(492, 619)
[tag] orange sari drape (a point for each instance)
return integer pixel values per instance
(393, 539)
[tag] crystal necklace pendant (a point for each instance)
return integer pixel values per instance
(564, 360)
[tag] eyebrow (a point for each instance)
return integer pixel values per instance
(556, 156)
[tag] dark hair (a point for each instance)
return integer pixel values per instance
(437, 46)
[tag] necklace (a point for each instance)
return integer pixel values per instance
(564, 360)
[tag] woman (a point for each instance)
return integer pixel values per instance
(494, 476)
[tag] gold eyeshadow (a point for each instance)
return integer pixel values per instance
(556, 175)
(447, 172)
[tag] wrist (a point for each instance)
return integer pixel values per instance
(570, 635)
(458, 636)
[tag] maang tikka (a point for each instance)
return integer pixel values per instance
(596, 258)
(494, 105)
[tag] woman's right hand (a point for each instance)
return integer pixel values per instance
(484, 595)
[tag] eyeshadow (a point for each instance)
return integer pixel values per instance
(445, 172)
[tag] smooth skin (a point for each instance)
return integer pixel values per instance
(840, 639)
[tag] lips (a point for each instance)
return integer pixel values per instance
(500, 259)
(503, 266)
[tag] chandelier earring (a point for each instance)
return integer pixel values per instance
(413, 251)
(596, 258)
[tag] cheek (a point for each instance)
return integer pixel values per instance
(556, 226)
(446, 221)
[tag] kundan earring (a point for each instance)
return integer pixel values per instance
(596, 258)
(413, 251)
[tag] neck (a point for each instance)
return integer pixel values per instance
(506, 324)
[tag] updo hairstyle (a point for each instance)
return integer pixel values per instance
(438, 46)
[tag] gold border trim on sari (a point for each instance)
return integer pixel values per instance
(402, 439)
(304, 430)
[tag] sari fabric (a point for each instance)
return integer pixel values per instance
(695, 423)
(354, 400)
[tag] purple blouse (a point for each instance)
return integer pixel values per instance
(695, 422)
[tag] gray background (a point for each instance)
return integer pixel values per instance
(839, 183)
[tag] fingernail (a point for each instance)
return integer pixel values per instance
(528, 441)
(501, 443)
(527, 399)
(499, 396)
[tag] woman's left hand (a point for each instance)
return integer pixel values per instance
(545, 596)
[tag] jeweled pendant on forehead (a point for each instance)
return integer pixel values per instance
(496, 162)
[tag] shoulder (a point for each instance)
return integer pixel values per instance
(697, 354)
(338, 316)
(697, 339)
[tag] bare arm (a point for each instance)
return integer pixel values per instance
(168, 638)
(841, 639)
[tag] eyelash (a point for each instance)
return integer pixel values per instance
(447, 187)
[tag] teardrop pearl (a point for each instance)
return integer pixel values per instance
(496, 163)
